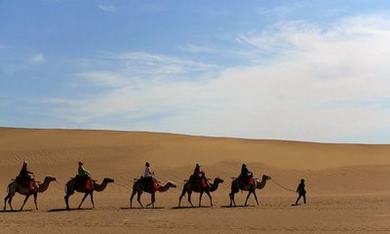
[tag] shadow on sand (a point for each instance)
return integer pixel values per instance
(190, 207)
(71, 209)
(238, 206)
(15, 211)
(140, 208)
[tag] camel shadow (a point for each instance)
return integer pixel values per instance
(71, 209)
(238, 206)
(189, 207)
(140, 208)
(15, 211)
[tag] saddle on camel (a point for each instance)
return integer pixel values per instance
(199, 177)
(26, 178)
(83, 178)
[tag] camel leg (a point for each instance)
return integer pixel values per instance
(254, 194)
(232, 201)
(69, 190)
(200, 199)
(35, 200)
(247, 197)
(67, 201)
(183, 192)
(152, 199)
(5, 202)
(211, 199)
(189, 198)
(82, 200)
(131, 198)
(10, 202)
(92, 201)
(24, 202)
(139, 193)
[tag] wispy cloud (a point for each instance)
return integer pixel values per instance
(194, 48)
(107, 8)
(38, 59)
(303, 92)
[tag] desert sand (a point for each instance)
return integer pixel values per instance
(348, 184)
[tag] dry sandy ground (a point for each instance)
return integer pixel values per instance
(348, 185)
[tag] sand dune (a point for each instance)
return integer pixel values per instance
(345, 181)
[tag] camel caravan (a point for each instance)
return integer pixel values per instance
(26, 185)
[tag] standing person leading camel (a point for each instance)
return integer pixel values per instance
(301, 192)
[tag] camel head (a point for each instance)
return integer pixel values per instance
(218, 180)
(50, 178)
(265, 177)
(171, 184)
(108, 180)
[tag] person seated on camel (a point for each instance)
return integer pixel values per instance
(199, 176)
(83, 176)
(246, 176)
(26, 178)
(149, 180)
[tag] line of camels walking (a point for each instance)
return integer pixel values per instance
(138, 189)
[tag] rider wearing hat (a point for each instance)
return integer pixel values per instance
(82, 171)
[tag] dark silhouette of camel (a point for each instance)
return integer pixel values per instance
(14, 187)
(72, 186)
(237, 186)
(190, 187)
(139, 187)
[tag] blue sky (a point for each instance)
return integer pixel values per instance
(300, 70)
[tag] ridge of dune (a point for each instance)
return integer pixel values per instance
(184, 149)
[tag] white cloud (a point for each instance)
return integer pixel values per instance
(102, 78)
(107, 8)
(38, 59)
(325, 83)
(193, 48)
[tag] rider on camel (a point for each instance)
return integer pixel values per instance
(149, 177)
(26, 177)
(83, 176)
(199, 176)
(246, 176)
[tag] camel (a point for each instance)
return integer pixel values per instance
(15, 187)
(237, 186)
(71, 186)
(139, 188)
(191, 187)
